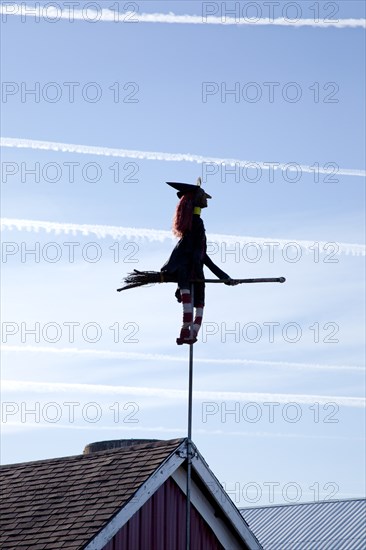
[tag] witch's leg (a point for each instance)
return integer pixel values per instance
(198, 319)
(199, 302)
(185, 333)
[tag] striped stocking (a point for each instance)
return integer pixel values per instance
(185, 332)
(198, 320)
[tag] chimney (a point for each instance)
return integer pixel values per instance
(114, 444)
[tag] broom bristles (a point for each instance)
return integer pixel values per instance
(141, 278)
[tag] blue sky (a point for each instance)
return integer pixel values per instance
(310, 366)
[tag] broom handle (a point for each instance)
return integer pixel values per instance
(240, 281)
(236, 281)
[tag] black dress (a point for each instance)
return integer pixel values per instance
(188, 258)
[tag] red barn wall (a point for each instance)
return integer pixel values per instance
(160, 525)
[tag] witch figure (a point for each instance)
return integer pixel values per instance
(185, 265)
(189, 256)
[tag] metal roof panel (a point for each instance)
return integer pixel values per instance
(323, 525)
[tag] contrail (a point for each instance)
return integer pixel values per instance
(132, 356)
(170, 157)
(8, 425)
(151, 235)
(55, 13)
(99, 231)
(175, 394)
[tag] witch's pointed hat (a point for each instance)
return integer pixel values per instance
(184, 188)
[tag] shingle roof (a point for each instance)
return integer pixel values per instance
(324, 525)
(56, 503)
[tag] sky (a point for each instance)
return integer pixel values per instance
(268, 109)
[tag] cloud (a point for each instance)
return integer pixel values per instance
(170, 157)
(151, 235)
(175, 394)
(132, 356)
(55, 13)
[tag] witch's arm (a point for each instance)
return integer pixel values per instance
(216, 270)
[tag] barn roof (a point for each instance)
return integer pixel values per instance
(56, 503)
(323, 525)
(82, 501)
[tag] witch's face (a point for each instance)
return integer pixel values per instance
(201, 199)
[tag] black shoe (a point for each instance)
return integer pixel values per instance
(189, 341)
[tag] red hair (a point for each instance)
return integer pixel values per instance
(182, 221)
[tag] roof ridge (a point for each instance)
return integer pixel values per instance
(147, 444)
(311, 502)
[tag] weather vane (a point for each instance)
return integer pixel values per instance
(185, 267)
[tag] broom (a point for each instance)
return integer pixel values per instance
(142, 278)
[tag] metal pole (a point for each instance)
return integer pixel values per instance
(189, 438)
(138, 278)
